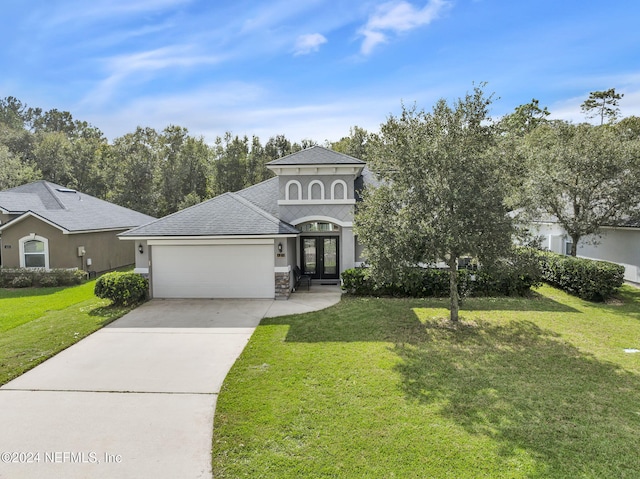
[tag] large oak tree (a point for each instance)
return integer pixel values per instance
(441, 194)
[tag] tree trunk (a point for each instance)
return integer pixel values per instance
(574, 245)
(453, 288)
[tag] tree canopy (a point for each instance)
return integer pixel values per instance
(585, 176)
(442, 193)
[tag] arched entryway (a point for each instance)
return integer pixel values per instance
(320, 249)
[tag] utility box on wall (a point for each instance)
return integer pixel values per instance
(81, 251)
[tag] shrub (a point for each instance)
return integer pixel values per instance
(22, 281)
(49, 281)
(123, 289)
(588, 279)
(41, 277)
(65, 277)
(508, 277)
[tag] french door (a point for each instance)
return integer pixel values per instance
(320, 256)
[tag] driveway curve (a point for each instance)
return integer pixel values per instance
(136, 398)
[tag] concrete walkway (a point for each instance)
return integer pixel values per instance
(137, 398)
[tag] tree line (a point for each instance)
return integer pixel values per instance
(155, 172)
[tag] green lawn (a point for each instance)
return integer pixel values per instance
(382, 388)
(36, 323)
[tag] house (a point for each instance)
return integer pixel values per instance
(620, 244)
(246, 244)
(44, 225)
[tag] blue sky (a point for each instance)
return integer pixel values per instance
(309, 68)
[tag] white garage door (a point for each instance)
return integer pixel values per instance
(213, 271)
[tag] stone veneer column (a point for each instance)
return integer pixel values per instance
(283, 285)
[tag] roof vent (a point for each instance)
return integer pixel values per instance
(66, 190)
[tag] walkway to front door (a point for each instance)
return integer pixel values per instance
(320, 256)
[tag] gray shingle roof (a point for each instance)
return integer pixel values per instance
(69, 209)
(264, 195)
(317, 155)
(224, 215)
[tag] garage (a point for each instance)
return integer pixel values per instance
(215, 270)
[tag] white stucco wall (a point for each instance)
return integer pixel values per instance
(617, 245)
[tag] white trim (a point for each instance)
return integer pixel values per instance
(208, 242)
(32, 237)
(232, 239)
(307, 170)
(286, 189)
(106, 230)
(344, 189)
(307, 219)
(316, 202)
(28, 214)
(310, 189)
(282, 269)
(141, 270)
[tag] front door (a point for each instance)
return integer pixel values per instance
(320, 256)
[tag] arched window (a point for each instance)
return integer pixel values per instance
(34, 252)
(316, 190)
(293, 190)
(339, 190)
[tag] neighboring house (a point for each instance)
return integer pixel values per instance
(619, 245)
(246, 244)
(44, 225)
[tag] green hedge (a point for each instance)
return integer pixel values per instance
(588, 279)
(26, 277)
(123, 289)
(510, 277)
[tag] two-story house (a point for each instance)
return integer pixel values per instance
(246, 244)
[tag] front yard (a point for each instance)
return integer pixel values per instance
(523, 388)
(35, 323)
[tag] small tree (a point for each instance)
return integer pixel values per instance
(441, 195)
(586, 176)
(525, 118)
(603, 104)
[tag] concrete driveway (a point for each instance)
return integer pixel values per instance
(137, 398)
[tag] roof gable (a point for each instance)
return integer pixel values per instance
(316, 155)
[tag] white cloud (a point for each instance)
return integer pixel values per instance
(397, 17)
(99, 10)
(160, 58)
(145, 64)
(309, 43)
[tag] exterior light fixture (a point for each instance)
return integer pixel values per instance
(141, 248)
(279, 247)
